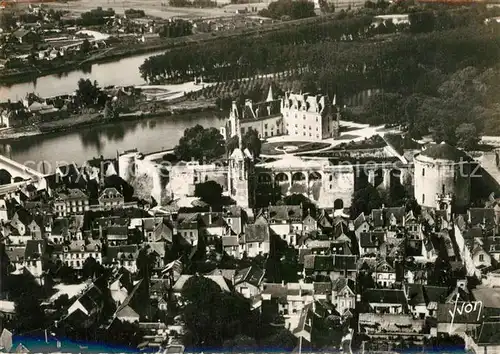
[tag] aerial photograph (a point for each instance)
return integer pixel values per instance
(250, 176)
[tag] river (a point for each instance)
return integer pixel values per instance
(120, 73)
(147, 135)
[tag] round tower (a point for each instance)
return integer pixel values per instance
(126, 165)
(442, 175)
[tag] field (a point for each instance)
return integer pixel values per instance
(151, 7)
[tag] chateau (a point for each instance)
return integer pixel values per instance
(305, 116)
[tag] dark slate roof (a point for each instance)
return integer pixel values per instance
(488, 334)
(342, 282)
(60, 227)
(473, 232)
(24, 216)
(377, 217)
(252, 275)
(384, 296)
(415, 294)
(285, 213)
(256, 233)
(33, 248)
(359, 221)
(371, 239)
(435, 293)
(445, 151)
(482, 215)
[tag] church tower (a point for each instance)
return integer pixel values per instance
(240, 173)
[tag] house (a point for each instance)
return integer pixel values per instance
(26, 224)
(480, 257)
(179, 284)
(235, 217)
(122, 256)
(247, 281)
(6, 340)
(332, 266)
(283, 220)
(231, 245)
(361, 225)
(75, 253)
(369, 243)
(59, 231)
(111, 198)
(385, 301)
(384, 274)
(423, 300)
(117, 235)
(488, 340)
(188, 229)
(33, 256)
(309, 223)
(7, 310)
(25, 36)
(135, 307)
(86, 308)
(256, 240)
(158, 230)
(156, 252)
(343, 294)
(213, 225)
(73, 201)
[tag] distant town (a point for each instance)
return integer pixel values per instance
(292, 176)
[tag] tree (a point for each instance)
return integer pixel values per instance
(200, 144)
(210, 192)
(87, 92)
(250, 141)
(282, 340)
(91, 269)
(364, 200)
(467, 136)
(85, 48)
(210, 315)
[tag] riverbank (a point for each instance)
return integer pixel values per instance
(96, 119)
(126, 50)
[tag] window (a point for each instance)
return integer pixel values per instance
(304, 117)
(481, 258)
(423, 172)
(316, 119)
(442, 189)
(304, 127)
(423, 198)
(265, 126)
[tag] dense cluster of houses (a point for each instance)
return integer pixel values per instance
(382, 270)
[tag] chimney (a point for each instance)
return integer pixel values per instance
(210, 215)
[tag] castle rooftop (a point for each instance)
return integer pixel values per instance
(445, 151)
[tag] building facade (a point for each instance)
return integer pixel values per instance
(310, 117)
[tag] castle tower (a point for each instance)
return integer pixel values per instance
(442, 170)
(240, 176)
